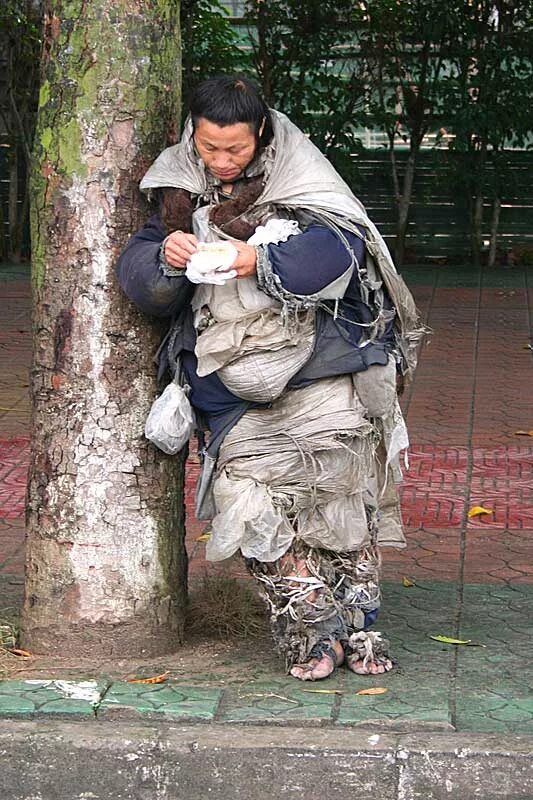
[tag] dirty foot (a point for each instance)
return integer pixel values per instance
(318, 668)
(358, 665)
(368, 653)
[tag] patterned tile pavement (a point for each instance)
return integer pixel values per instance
(473, 578)
(185, 703)
(49, 697)
(435, 686)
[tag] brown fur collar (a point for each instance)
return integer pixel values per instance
(231, 216)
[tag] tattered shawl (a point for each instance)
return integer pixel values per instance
(298, 177)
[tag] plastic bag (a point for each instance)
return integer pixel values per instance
(170, 422)
(247, 519)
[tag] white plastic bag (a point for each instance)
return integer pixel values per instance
(170, 422)
(247, 518)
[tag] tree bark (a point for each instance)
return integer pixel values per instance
(106, 564)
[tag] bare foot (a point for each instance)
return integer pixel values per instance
(370, 668)
(318, 668)
(368, 653)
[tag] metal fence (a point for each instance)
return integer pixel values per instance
(438, 218)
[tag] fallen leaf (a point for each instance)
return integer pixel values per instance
(450, 640)
(156, 679)
(373, 690)
(408, 583)
(322, 691)
(523, 433)
(23, 653)
(204, 537)
(476, 511)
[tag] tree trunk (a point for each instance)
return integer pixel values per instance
(404, 204)
(188, 57)
(106, 564)
(4, 242)
(477, 228)
(19, 213)
(264, 57)
(394, 169)
(18, 234)
(494, 226)
(13, 205)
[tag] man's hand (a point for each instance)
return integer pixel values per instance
(246, 262)
(179, 247)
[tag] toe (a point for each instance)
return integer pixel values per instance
(324, 668)
(300, 671)
(296, 672)
(304, 672)
(314, 671)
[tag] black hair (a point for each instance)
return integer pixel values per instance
(230, 99)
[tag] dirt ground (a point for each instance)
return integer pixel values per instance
(205, 658)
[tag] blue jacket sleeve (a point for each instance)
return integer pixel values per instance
(141, 278)
(307, 263)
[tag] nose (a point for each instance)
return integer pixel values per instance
(221, 169)
(221, 162)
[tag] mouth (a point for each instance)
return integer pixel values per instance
(231, 173)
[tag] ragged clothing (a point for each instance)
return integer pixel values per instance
(294, 373)
(335, 601)
(302, 265)
(290, 177)
(307, 467)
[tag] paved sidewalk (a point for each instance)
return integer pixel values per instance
(473, 578)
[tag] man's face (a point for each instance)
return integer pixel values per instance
(226, 151)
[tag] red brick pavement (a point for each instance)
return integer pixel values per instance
(473, 390)
(14, 457)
